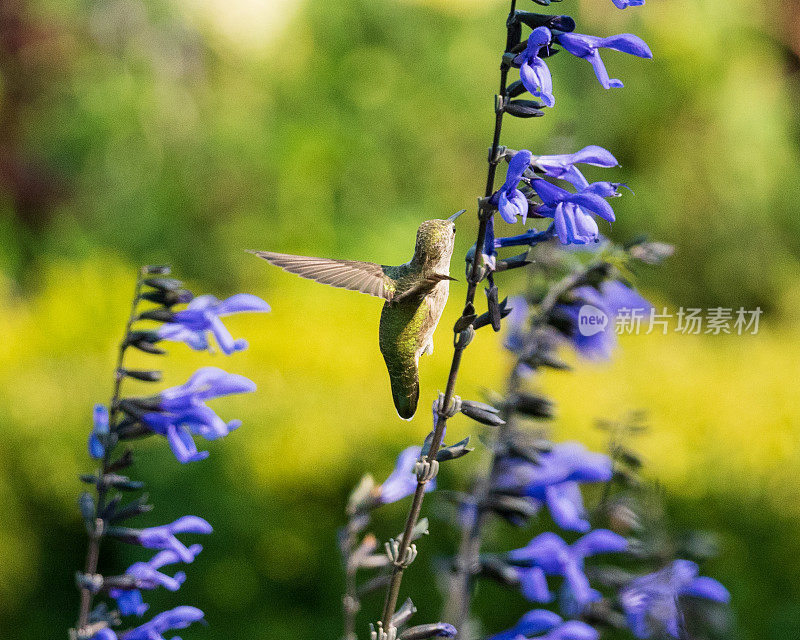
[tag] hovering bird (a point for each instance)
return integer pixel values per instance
(415, 295)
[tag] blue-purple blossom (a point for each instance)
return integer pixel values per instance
(148, 576)
(193, 324)
(554, 481)
(573, 213)
(586, 47)
(402, 482)
(597, 342)
(548, 555)
(541, 621)
(516, 324)
(563, 167)
(510, 201)
(651, 602)
(100, 429)
(177, 618)
(533, 70)
(183, 412)
(624, 4)
(163, 537)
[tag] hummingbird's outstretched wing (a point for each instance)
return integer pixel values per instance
(366, 277)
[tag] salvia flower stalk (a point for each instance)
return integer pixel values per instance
(178, 413)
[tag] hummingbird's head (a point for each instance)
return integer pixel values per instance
(435, 241)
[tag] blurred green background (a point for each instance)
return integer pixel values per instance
(185, 131)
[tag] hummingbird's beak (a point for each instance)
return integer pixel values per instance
(456, 214)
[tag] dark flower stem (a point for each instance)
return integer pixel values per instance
(93, 551)
(461, 341)
(467, 561)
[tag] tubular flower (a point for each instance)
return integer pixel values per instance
(597, 341)
(551, 625)
(651, 602)
(510, 201)
(147, 576)
(183, 412)
(402, 482)
(573, 213)
(193, 324)
(563, 167)
(533, 70)
(99, 430)
(553, 481)
(547, 554)
(163, 537)
(586, 47)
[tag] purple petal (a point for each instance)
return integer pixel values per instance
(596, 156)
(96, 449)
(240, 303)
(533, 585)
(190, 524)
(595, 204)
(536, 78)
(223, 336)
(549, 193)
(599, 541)
(183, 446)
(709, 588)
(510, 208)
(536, 621)
(538, 38)
(579, 44)
(565, 503)
(627, 43)
(100, 418)
(573, 630)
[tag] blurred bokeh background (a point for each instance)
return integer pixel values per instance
(185, 131)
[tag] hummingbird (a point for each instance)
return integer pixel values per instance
(414, 294)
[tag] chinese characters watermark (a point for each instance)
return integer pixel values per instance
(685, 320)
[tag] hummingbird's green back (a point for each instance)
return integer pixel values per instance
(415, 294)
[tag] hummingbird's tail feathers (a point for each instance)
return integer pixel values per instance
(404, 377)
(406, 405)
(364, 277)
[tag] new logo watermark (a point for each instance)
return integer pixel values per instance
(687, 321)
(591, 320)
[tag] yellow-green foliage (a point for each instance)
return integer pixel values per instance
(721, 403)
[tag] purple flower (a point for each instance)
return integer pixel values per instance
(533, 71)
(99, 431)
(541, 621)
(516, 325)
(586, 47)
(572, 212)
(105, 634)
(147, 576)
(597, 341)
(402, 482)
(554, 481)
(624, 4)
(651, 602)
(177, 618)
(163, 537)
(183, 412)
(192, 325)
(510, 201)
(548, 555)
(563, 166)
